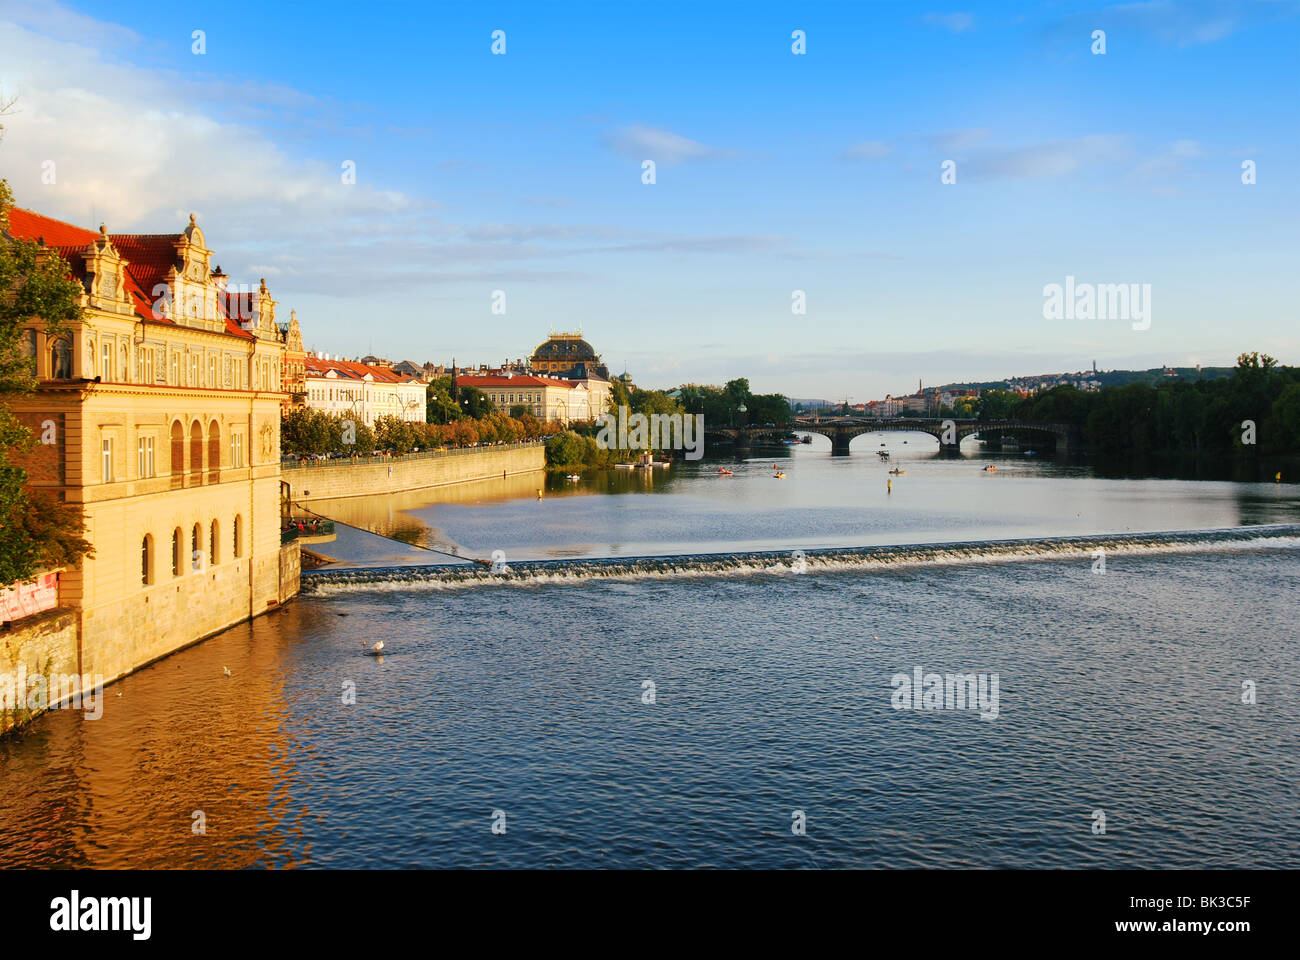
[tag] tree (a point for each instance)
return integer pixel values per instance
(1283, 431)
(568, 450)
(36, 529)
(997, 404)
(475, 403)
(306, 432)
(439, 406)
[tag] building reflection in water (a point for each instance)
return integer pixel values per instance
(178, 737)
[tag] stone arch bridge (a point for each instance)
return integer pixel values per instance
(949, 431)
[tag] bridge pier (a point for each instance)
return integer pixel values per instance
(840, 445)
(950, 449)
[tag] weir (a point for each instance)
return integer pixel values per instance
(471, 573)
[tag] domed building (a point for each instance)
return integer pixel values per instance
(568, 355)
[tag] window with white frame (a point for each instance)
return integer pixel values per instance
(144, 457)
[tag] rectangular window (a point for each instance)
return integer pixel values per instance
(106, 360)
(236, 449)
(106, 460)
(176, 370)
(144, 457)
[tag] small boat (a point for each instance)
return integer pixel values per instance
(990, 468)
(805, 439)
(573, 476)
(723, 472)
(373, 649)
(1031, 453)
(898, 473)
(778, 476)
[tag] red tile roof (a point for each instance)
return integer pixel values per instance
(149, 259)
(352, 370)
(519, 380)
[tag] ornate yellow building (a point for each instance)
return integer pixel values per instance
(160, 414)
(293, 372)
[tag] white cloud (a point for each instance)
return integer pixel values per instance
(662, 146)
(1053, 158)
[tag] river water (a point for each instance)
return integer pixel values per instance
(690, 687)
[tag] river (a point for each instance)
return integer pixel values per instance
(718, 664)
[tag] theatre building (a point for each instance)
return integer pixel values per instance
(159, 413)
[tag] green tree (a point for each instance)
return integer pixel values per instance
(1282, 432)
(566, 450)
(307, 432)
(475, 403)
(439, 406)
(997, 404)
(36, 529)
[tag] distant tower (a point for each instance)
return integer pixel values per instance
(455, 391)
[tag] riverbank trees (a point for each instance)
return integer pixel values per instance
(721, 405)
(1256, 409)
(307, 433)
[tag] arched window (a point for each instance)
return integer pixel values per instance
(178, 454)
(61, 359)
(239, 536)
(196, 548)
(178, 545)
(214, 452)
(214, 544)
(146, 560)
(196, 451)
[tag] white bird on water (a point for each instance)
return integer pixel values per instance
(226, 671)
(374, 649)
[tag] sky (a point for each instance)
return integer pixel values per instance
(774, 172)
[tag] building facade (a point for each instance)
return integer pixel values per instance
(159, 415)
(547, 398)
(293, 373)
(568, 355)
(350, 389)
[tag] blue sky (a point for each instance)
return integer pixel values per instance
(775, 173)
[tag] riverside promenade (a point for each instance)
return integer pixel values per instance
(366, 476)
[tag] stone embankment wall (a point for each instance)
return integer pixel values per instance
(330, 480)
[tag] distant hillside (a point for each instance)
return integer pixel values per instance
(1109, 378)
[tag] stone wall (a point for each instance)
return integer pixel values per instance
(44, 645)
(126, 623)
(342, 479)
(290, 570)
